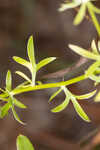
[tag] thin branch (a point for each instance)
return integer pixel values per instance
(75, 69)
(49, 85)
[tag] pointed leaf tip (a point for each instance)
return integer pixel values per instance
(44, 62)
(30, 50)
(83, 52)
(86, 96)
(16, 116)
(80, 111)
(8, 81)
(23, 76)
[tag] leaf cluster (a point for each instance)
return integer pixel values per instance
(8, 94)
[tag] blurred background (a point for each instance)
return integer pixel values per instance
(52, 31)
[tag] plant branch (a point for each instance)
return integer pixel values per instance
(49, 85)
(94, 19)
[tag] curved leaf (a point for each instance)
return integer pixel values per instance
(23, 76)
(83, 52)
(79, 110)
(16, 116)
(30, 50)
(23, 143)
(86, 96)
(18, 103)
(61, 106)
(22, 62)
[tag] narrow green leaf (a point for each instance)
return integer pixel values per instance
(3, 95)
(94, 19)
(23, 143)
(16, 116)
(97, 98)
(80, 15)
(31, 55)
(55, 94)
(79, 110)
(84, 52)
(94, 48)
(8, 81)
(62, 106)
(23, 76)
(86, 96)
(92, 68)
(30, 50)
(22, 62)
(68, 6)
(94, 8)
(4, 110)
(18, 104)
(45, 62)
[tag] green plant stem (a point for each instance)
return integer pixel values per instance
(94, 19)
(33, 78)
(49, 85)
